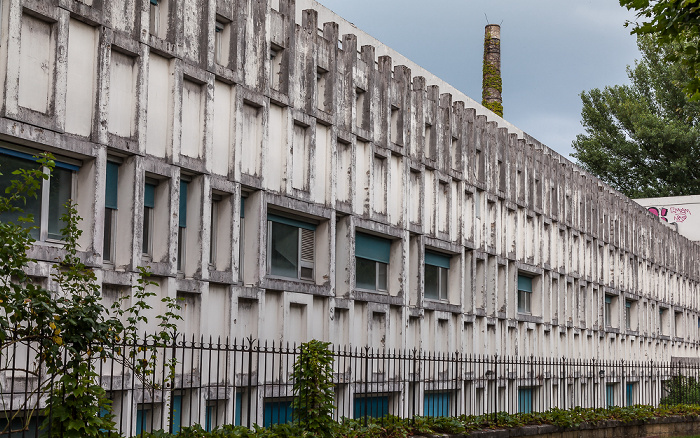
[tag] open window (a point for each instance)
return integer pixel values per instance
(290, 247)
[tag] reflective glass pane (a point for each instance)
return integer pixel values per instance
(59, 193)
(32, 206)
(443, 283)
(382, 276)
(431, 282)
(284, 250)
(147, 230)
(365, 274)
(109, 235)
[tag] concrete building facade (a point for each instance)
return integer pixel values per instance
(291, 178)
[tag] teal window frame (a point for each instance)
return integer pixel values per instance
(48, 206)
(526, 396)
(436, 404)
(370, 406)
(436, 275)
(149, 206)
(610, 394)
(277, 411)
(372, 257)
(111, 204)
(524, 294)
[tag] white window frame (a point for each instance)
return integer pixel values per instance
(301, 264)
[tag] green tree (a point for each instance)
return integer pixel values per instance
(643, 139)
(672, 22)
(58, 338)
(313, 388)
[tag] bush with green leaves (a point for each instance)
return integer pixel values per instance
(67, 331)
(681, 390)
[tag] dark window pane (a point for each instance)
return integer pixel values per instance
(284, 247)
(109, 235)
(32, 206)
(147, 229)
(431, 282)
(365, 274)
(382, 276)
(182, 232)
(59, 193)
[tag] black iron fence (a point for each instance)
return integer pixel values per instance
(249, 382)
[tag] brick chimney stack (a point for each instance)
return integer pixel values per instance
(492, 84)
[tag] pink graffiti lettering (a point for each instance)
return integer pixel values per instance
(659, 212)
(680, 214)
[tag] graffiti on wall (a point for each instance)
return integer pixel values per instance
(671, 215)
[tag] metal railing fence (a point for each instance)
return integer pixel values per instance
(246, 382)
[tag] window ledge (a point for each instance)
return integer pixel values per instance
(527, 317)
(441, 305)
(377, 297)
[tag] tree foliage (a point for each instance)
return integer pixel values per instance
(643, 139)
(59, 337)
(672, 22)
(313, 388)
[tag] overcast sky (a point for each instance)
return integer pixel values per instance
(551, 50)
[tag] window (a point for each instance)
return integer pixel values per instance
(525, 396)
(111, 191)
(215, 206)
(628, 314)
(182, 226)
(222, 38)
(290, 247)
(630, 394)
(436, 404)
(662, 320)
(610, 394)
(371, 262)
(524, 294)
(372, 406)
(218, 41)
(241, 241)
(608, 310)
(149, 205)
(154, 23)
(277, 412)
(49, 204)
(437, 267)
(176, 413)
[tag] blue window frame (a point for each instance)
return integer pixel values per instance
(525, 397)
(436, 404)
(373, 406)
(277, 412)
(372, 254)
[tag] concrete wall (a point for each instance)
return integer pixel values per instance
(285, 112)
